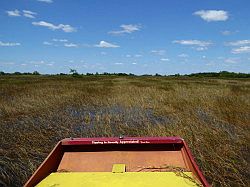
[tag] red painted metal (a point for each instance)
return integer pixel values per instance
(42, 172)
(124, 140)
(48, 166)
(200, 174)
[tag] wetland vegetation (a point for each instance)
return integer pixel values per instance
(211, 114)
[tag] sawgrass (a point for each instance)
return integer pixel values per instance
(212, 115)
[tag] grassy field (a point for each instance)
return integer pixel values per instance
(212, 115)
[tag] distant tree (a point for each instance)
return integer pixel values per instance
(157, 75)
(224, 72)
(122, 74)
(74, 73)
(17, 73)
(177, 75)
(2, 73)
(221, 74)
(88, 74)
(36, 73)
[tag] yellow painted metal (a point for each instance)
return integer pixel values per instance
(127, 179)
(118, 168)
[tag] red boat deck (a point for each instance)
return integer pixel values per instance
(100, 154)
(134, 160)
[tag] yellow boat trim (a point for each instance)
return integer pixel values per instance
(127, 179)
(118, 168)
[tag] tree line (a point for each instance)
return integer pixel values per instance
(74, 73)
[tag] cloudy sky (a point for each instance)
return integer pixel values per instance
(142, 36)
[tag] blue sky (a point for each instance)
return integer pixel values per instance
(141, 37)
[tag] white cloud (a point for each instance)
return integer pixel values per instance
(193, 43)
(128, 56)
(242, 49)
(134, 63)
(158, 52)
(104, 44)
(164, 59)
(126, 29)
(226, 32)
(13, 13)
(241, 46)
(29, 14)
(59, 40)
(138, 55)
(46, 1)
(239, 43)
(47, 43)
(201, 48)
(118, 63)
(232, 60)
(196, 44)
(70, 45)
(37, 62)
(65, 28)
(183, 55)
(17, 13)
(212, 15)
(8, 44)
(103, 53)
